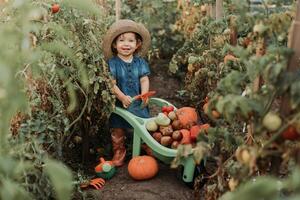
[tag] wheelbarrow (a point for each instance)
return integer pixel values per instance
(164, 154)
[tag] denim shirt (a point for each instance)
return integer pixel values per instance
(127, 76)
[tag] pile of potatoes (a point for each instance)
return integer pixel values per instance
(173, 127)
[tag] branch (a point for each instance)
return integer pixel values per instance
(81, 113)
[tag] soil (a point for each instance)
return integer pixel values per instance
(165, 185)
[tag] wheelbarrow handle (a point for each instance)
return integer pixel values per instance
(145, 96)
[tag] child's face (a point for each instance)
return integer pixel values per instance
(126, 44)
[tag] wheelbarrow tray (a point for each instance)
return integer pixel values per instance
(141, 135)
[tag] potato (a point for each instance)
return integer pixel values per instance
(175, 144)
(177, 135)
(166, 141)
(157, 136)
(176, 125)
(166, 130)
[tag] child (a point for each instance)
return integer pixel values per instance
(123, 44)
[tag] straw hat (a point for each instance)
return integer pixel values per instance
(123, 26)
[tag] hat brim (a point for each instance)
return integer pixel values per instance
(123, 26)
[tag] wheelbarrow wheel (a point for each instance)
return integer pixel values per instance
(199, 171)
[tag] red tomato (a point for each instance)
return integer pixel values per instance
(170, 108)
(55, 8)
(290, 134)
(186, 137)
(195, 130)
(164, 109)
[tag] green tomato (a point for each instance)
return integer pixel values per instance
(272, 121)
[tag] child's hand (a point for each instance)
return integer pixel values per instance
(126, 101)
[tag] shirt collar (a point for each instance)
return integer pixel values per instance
(134, 59)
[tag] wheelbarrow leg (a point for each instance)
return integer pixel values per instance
(189, 169)
(136, 150)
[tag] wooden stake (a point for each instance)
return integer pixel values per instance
(293, 64)
(118, 9)
(233, 31)
(212, 11)
(260, 51)
(219, 9)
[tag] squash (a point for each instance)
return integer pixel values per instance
(195, 130)
(162, 120)
(187, 116)
(186, 137)
(142, 167)
(172, 115)
(151, 125)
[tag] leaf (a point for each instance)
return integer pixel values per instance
(200, 151)
(295, 93)
(72, 98)
(293, 182)
(260, 188)
(10, 190)
(83, 6)
(60, 177)
(231, 83)
(7, 165)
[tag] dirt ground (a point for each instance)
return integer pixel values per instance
(165, 185)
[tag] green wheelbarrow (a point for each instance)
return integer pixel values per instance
(164, 154)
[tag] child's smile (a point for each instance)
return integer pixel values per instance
(126, 45)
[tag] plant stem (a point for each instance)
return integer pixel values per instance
(81, 113)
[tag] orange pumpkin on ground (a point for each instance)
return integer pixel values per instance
(195, 130)
(187, 116)
(186, 137)
(142, 167)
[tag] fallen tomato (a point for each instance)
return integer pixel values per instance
(55, 8)
(290, 134)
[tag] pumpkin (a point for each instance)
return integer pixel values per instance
(186, 137)
(187, 116)
(142, 167)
